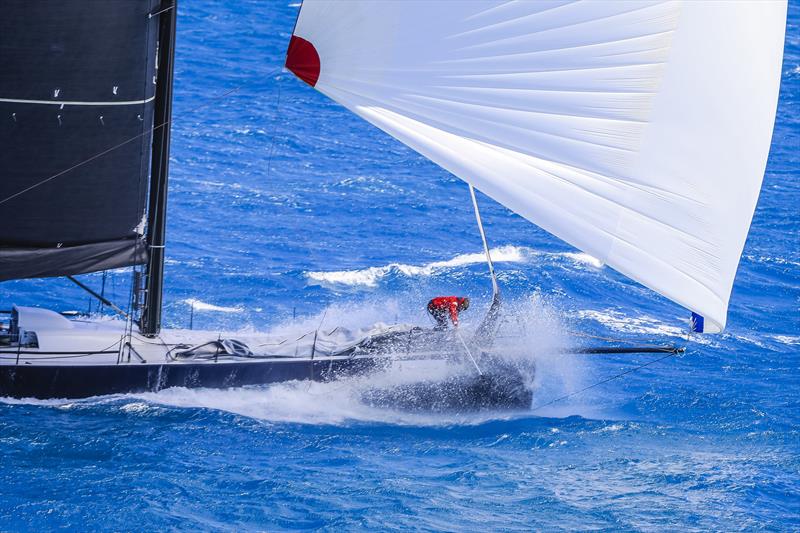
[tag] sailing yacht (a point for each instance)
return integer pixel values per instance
(636, 131)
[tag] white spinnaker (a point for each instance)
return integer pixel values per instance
(636, 131)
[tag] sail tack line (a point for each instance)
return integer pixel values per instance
(606, 380)
(495, 287)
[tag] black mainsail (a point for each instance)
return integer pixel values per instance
(85, 111)
(77, 98)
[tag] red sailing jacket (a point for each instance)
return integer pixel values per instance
(446, 304)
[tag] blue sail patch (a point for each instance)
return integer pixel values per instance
(697, 323)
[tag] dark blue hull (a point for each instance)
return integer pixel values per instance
(82, 381)
(499, 387)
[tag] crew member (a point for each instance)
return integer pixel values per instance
(443, 307)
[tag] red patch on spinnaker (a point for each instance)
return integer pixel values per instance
(302, 59)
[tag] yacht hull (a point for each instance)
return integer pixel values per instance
(82, 381)
(499, 387)
(44, 355)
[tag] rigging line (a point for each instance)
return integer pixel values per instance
(90, 159)
(210, 101)
(151, 15)
(612, 378)
(101, 298)
(48, 358)
(469, 353)
(314, 349)
(607, 339)
(131, 319)
(274, 128)
(71, 354)
(495, 288)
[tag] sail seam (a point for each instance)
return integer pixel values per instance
(668, 14)
(615, 238)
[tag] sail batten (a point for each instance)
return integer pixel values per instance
(77, 103)
(637, 132)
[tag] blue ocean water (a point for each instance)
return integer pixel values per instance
(282, 203)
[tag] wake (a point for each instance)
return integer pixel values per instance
(531, 336)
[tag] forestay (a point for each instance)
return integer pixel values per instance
(635, 131)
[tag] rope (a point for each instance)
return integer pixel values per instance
(274, 129)
(469, 353)
(608, 339)
(150, 131)
(612, 378)
(63, 355)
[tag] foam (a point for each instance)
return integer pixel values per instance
(199, 305)
(301, 402)
(530, 333)
(136, 407)
(583, 258)
(624, 323)
(371, 276)
(791, 340)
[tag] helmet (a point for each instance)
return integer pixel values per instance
(464, 305)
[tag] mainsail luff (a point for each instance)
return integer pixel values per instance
(76, 107)
(635, 131)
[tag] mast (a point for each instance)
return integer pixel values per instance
(150, 324)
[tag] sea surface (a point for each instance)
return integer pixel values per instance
(287, 209)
